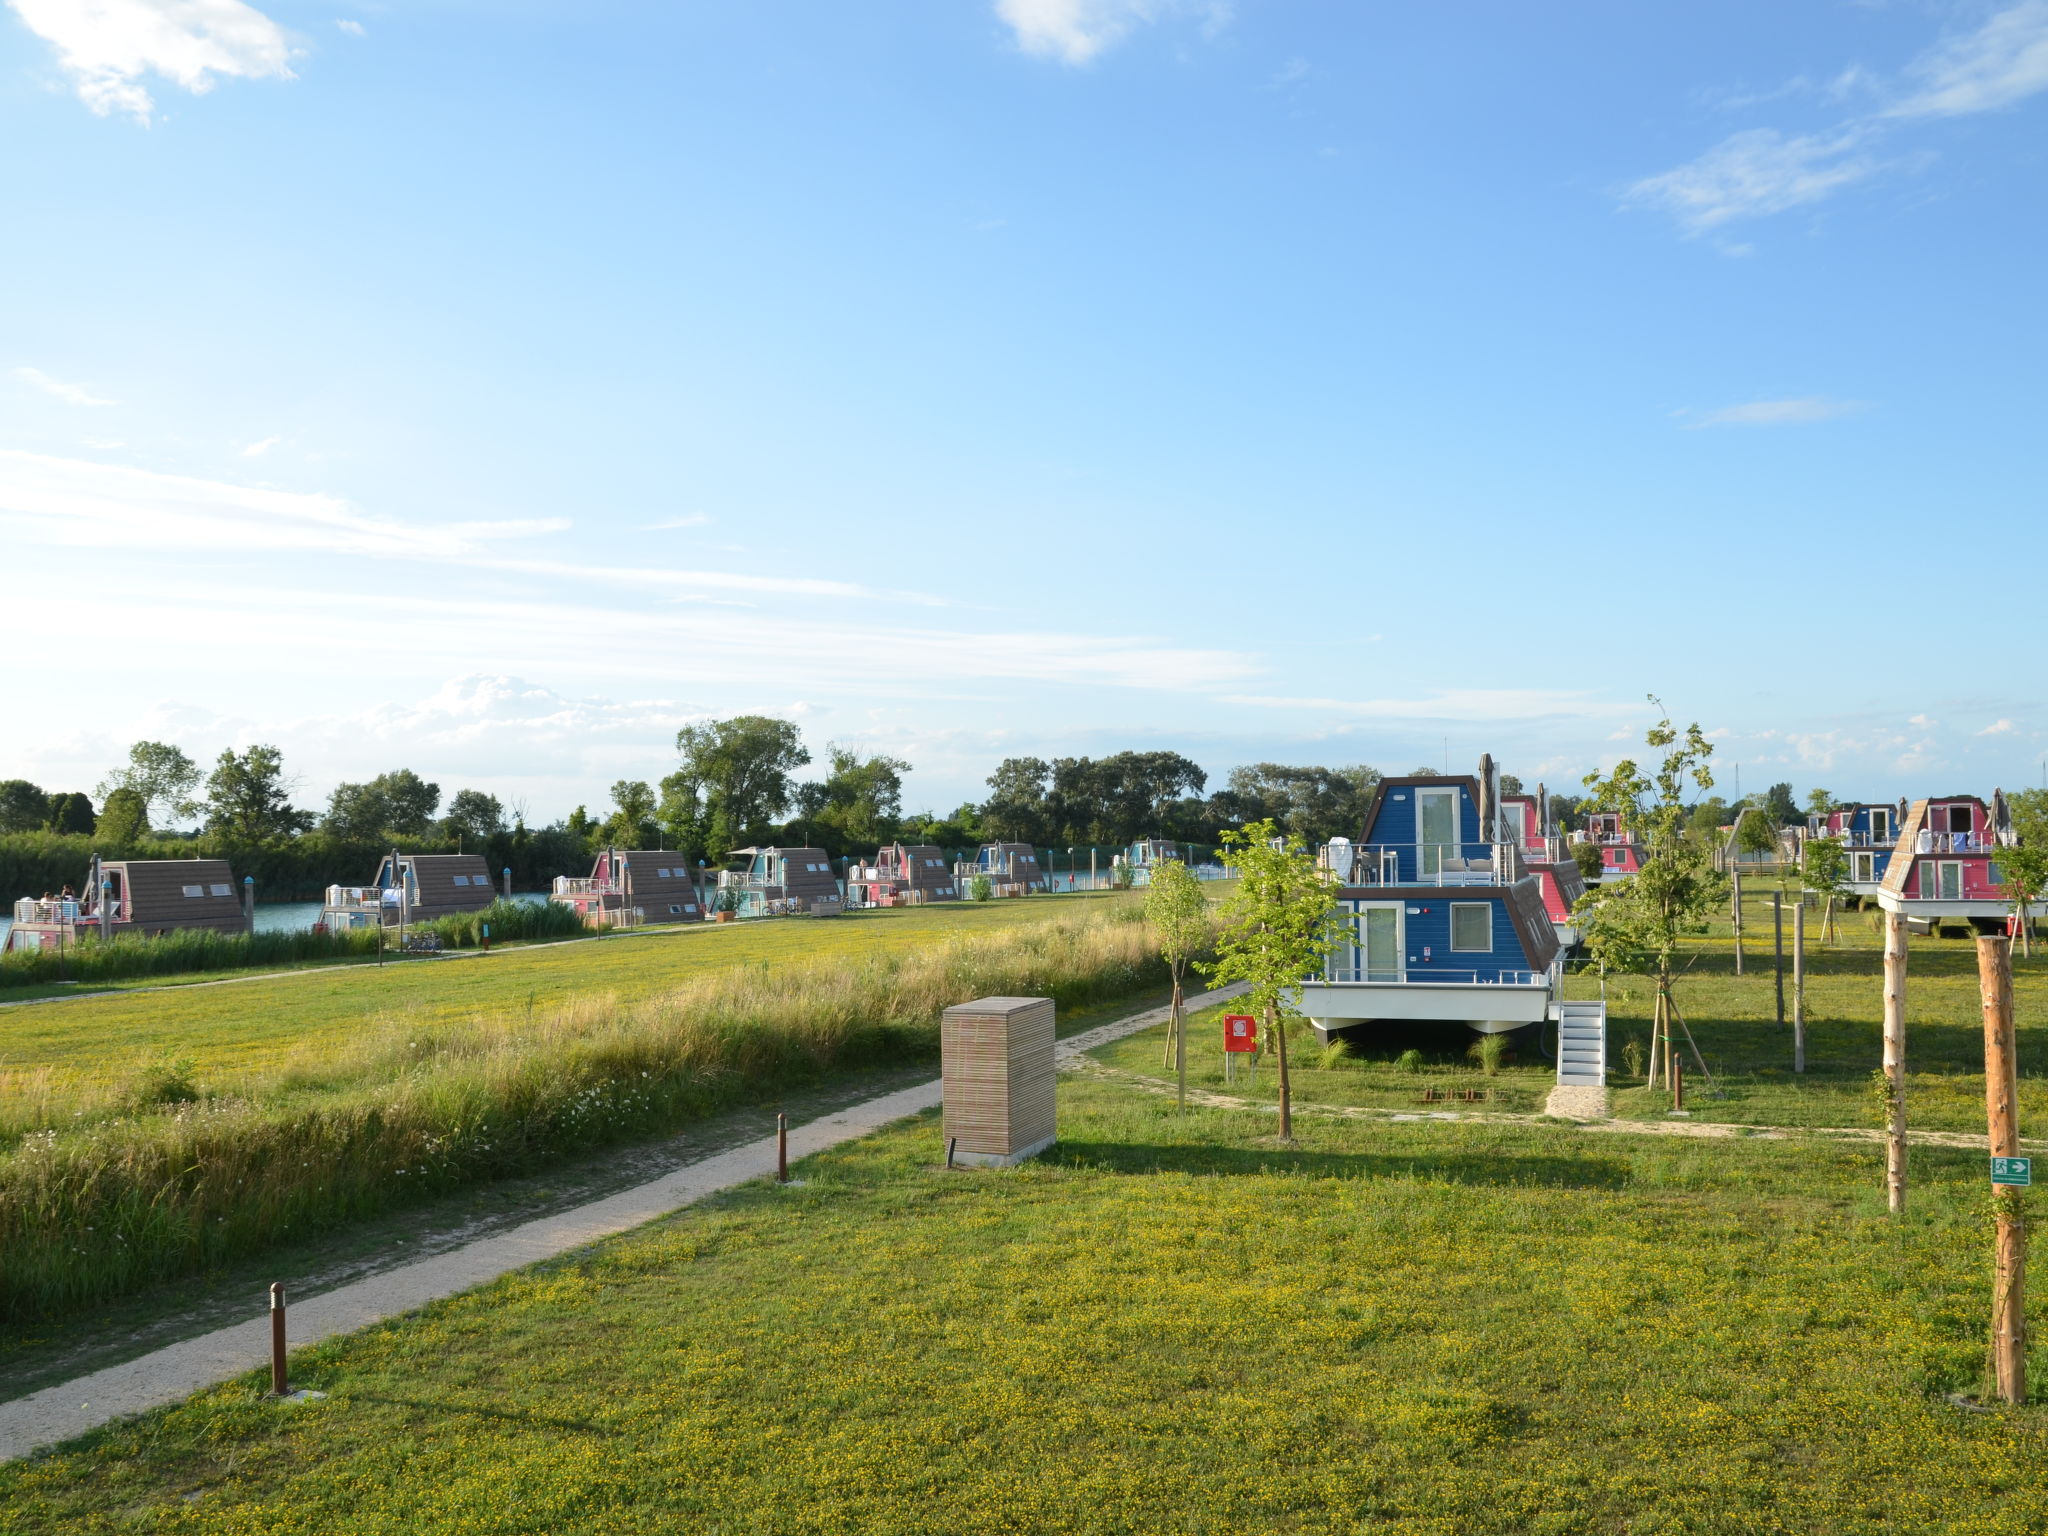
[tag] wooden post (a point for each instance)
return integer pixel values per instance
(782, 1149)
(1277, 1032)
(1738, 912)
(1895, 1060)
(1180, 1036)
(1799, 987)
(2001, 1106)
(1778, 950)
(279, 1386)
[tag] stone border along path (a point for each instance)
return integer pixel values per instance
(176, 1371)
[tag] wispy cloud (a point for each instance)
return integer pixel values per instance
(1997, 728)
(2002, 62)
(1076, 31)
(1774, 413)
(260, 447)
(1451, 704)
(73, 394)
(1756, 172)
(352, 28)
(1762, 171)
(106, 47)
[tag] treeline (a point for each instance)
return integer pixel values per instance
(735, 785)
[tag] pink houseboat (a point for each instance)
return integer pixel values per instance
(1944, 864)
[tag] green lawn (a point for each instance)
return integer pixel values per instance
(241, 1035)
(1169, 1324)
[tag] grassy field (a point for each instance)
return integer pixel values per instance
(179, 1169)
(82, 1054)
(1168, 1324)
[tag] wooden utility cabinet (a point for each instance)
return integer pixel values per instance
(996, 1060)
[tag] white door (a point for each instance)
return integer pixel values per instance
(1379, 941)
(1436, 827)
(1880, 827)
(1517, 815)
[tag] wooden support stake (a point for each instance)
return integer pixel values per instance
(2001, 1107)
(782, 1149)
(1799, 987)
(1738, 918)
(1895, 1060)
(279, 1385)
(1778, 950)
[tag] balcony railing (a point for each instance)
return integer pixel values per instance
(362, 898)
(62, 909)
(1926, 841)
(580, 885)
(1425, 863)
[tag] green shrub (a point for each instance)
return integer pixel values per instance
(1489, 1051)
(980, 888)
(1335, 1055)
(1409, 1060)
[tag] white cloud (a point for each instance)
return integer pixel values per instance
(1451, 704)
(352, 28)
(2002, 62)
(1997, 728)
(257, 449)
(1757, 172)
(74, 394)
(1075, 31)
(1777, 413)
(1761, 171)
(108, 46)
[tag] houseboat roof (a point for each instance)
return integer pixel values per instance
(192, 889)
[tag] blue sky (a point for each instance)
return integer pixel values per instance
(492, 388)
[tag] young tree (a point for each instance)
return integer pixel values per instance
(248, 797)
(1281, 926)
(23, 806)
(1824, 867)
(1178, 910)
(1819, 802)
(123, 819)
(2024, 867)
(162, 775)
(1637, 925)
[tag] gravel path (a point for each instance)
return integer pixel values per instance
(178, 1370)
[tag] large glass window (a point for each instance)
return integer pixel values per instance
(1472, 927)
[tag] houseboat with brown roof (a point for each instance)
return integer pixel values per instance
(1011, 869)
(632, 888)
(412, 888)
(902, 875)
(773, 882)
(134, 896)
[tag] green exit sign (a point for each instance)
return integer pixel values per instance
(2016, 1171)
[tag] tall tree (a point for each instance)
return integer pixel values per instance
(632, 822)
(1312, 804)
(1016, 810)
(861, 800)
(124, 819)
(1178, 909)
(162, 775)
(733, 781)
(473, 817)
(1781, 807)
(395, 804)
(72, 813)
(23, 806)
(1637, 925)
(1280, 928)
(1821, 801)
(248, 797)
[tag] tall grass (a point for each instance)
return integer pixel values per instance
(173, 1188)
(509, 922)
(184, 950)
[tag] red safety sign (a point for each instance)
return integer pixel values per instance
(1240, 1032)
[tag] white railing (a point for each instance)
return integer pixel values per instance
(1440, 864)
(361, 898)
(1428, 975)
(578, 885)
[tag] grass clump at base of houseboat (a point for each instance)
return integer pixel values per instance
(181, 1182)
(1169, 1323)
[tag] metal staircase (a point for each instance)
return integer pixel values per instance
(1582, 1045)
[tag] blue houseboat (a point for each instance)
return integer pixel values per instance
(1447, 915)
(1867, 834)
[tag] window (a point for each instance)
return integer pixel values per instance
(1616, 855)
(1862, 867)
(462, 879)
(1472, 927)
(195, 890)
(1993, 873)
(675, 910)
(222, 890)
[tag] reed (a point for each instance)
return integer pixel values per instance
(189, 949)
(179, 1184)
